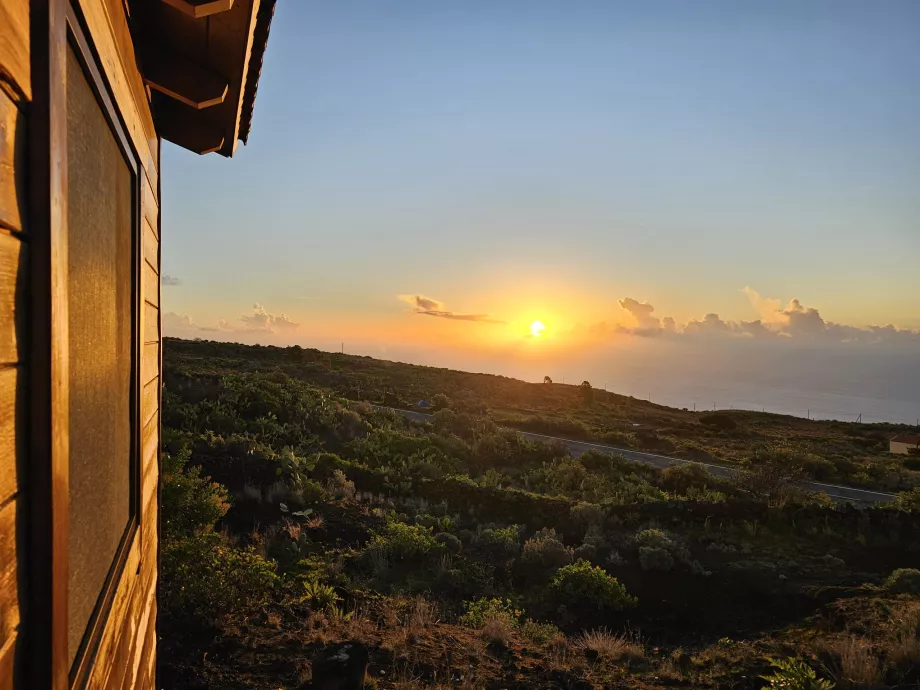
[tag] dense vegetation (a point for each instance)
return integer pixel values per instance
(296, 514)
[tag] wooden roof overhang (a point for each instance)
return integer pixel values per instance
(200, 61)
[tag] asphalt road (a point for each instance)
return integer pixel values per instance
(576, 448)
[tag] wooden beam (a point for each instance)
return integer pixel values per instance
(200, 8)
(187, 127)
(183, 80)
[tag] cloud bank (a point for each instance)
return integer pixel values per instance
(169, 281)
(426, 306)
(260, 321)
(795, 322)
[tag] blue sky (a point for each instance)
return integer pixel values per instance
(548, 159)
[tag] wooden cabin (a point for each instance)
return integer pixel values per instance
(88, 90)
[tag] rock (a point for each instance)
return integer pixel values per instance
(340, 667)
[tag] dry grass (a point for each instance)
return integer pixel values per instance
(903, 649)
(498, 630)
(315, 522)
(610, 646)
(273, 620)
(558, 651)
(855, 664)
(423, 613)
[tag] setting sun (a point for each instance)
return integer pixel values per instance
(537, 328)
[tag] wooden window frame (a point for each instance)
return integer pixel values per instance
(57, 27)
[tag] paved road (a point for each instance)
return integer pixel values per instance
(576, 448)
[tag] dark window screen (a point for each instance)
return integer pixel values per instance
(99, 287)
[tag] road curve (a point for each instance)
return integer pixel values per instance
(576, 448)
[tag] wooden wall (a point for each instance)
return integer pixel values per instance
(15, 94)
(126, 657)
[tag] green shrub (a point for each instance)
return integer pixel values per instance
(655, 558)
(545, 550)
(449, 541)
(583, 584)
(478, 611)
(318, 595)
(401, 541)
(190, 503)
(909, 500)
(503, 539)
(722, 422)
(793, 674)
(205, 579)
(904, 581)
(537, 632)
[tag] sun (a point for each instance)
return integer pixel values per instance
(537, 328)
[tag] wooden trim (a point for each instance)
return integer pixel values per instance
(46, 631)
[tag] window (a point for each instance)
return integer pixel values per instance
(102, 343)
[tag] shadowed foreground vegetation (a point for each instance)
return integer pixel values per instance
(295, 515)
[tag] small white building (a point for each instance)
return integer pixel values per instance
(902, 443)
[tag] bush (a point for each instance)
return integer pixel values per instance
(680, 478)
(909, 500)
(190, 503)
(401, 541)
(658, 550)
(449, 541)
(537, 632)
(205, 579)
(545, 550)
(721, 422)
(793, 674)
(904, 581)
(479, 611)
(654, 558)
(583, 584)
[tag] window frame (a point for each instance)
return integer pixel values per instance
(57, 27)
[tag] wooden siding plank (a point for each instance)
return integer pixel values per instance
(8, 661)
(151, 285)
(151, 324)
(150, 362)
(13, 158)
(12, 438)
(9, 586)
(12, 297)
(151, 247)
(135, 653)
(150, 398)
(149, 207)
(109, 29)
(14, 47)
(121, 606)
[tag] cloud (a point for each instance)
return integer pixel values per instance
(169, 281)
(426, 306)
(795, 322)
(710, 324)
(175, 323)
(647, 325)
(261, 320)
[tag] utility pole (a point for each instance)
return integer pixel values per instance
(694, 407)
(713, 405)
(343, 348)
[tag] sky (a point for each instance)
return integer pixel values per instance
(424, 180)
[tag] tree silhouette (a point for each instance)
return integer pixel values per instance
(547, 379)
(587, 393)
